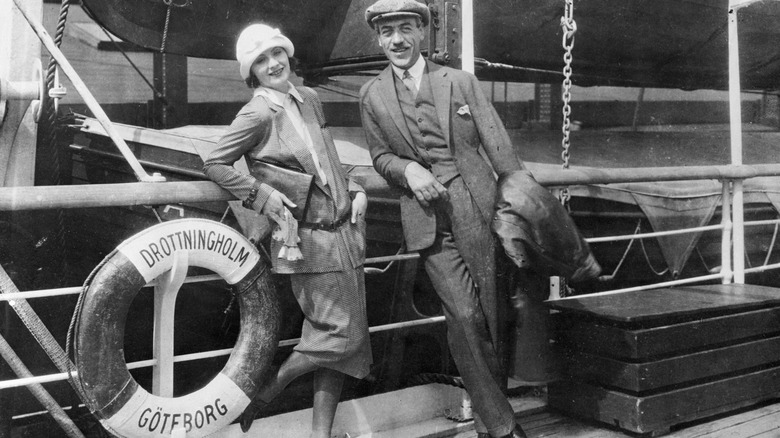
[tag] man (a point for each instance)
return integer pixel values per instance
(425, 125)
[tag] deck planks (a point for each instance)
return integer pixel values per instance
(760, 422)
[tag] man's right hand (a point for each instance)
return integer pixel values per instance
(424, 185)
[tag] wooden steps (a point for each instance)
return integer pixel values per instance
(649, 360)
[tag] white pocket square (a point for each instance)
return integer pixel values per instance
(464, 110)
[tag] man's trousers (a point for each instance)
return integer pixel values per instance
(462, 267)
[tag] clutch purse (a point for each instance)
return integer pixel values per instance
(293, 183)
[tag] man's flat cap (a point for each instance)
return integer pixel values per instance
(385, 9)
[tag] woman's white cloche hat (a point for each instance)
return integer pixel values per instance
(256, 39)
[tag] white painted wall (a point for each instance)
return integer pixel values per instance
(19, 52)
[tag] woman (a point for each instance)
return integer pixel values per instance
(284, 124)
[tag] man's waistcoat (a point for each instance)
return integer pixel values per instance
(423, 123)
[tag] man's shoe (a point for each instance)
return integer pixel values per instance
(248, 416)
(517, 433)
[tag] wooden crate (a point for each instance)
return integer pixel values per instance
(645, 361)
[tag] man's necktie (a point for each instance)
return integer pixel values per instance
(409, 82)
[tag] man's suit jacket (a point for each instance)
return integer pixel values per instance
(262, 130)
(469, 122)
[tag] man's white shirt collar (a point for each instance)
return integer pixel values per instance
(415, 70)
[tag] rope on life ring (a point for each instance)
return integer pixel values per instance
(107, 388)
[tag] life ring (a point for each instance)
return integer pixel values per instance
(108, 389)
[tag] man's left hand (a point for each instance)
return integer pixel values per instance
(359, 205)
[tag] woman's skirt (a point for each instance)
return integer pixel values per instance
(335, 329)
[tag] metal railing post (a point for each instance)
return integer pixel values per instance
(467, 42)
(725, 244)
(735, 116)
(165, 292)
(738, 220)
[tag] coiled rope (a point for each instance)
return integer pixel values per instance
(445, 379)
(49, 138)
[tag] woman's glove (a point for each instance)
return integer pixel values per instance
(286, 231)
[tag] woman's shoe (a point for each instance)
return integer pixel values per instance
(517, 432)
(248, 416)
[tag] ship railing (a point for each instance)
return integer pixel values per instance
(161, 193)
(732, 222)
(152, 191)
(163, 339)
(723, 274)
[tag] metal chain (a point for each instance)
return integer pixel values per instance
(566, 290)
(171, 4)
(165, 27)
(569, 27)
(164, 69)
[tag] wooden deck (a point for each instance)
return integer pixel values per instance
(758, 421)
(762, 421)
(539, 421)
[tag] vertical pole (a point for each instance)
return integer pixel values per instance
(506, 105)
(467, 55)
(739, 232)
(555, 288)
(639, 99)
(170, 76)
(555, 106)
(735, 113)
(20, 55)
(725, 244)
(165, 293)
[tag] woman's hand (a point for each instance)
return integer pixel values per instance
(359, 205)
(274, 206)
